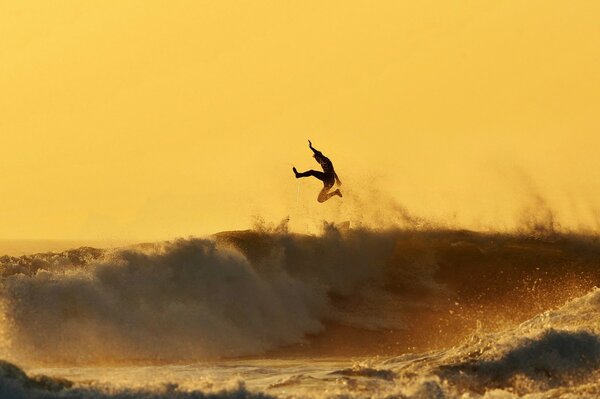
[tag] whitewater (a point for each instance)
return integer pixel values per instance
(349, 312)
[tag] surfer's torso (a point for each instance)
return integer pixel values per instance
(325, 164)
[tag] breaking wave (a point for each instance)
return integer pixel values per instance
(556, 352)
(259, 292)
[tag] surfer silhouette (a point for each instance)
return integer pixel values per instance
(327, 176)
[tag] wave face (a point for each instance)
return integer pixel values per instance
(255, 292)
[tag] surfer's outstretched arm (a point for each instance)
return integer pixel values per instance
(313, 148)
(337, 179)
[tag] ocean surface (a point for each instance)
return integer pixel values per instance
(268, 313)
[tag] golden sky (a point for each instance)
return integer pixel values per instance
(155, 119)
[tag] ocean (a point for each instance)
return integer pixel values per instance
(350, 312)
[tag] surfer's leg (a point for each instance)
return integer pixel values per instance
(319, 175)
(324, 195)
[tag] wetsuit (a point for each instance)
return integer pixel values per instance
(327, 176)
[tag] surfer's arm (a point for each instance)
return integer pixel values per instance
(337, 179)
(313, 148)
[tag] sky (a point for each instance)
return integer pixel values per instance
(155, 119)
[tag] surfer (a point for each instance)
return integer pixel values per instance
(327, 176)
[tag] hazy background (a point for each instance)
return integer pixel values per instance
(149, 119)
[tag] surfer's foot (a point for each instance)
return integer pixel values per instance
(295, 171)
(338, 192)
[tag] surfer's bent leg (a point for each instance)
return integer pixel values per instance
(324, 195)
